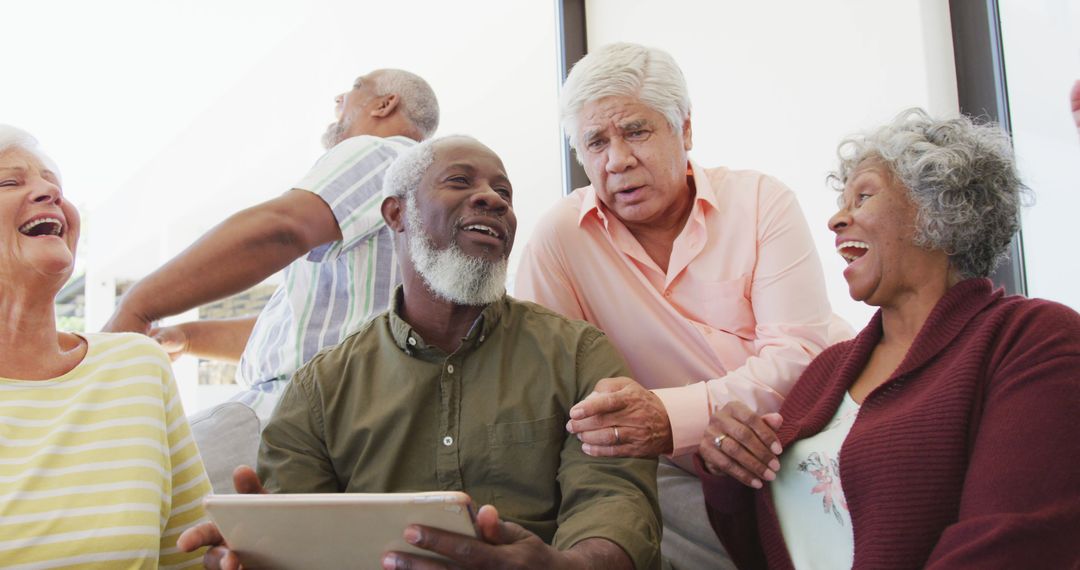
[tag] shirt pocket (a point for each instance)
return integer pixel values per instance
(524, 459)
(720, 305)
(511, 434)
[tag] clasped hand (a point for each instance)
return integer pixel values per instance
(748, 448)
(621, 419)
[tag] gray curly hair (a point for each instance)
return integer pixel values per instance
(960, 175)
(629, 70)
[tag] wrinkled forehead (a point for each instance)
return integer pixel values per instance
(17, 157)
(871, 171)
(870, 166)
(619, 113)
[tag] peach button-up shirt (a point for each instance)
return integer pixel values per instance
(738, 315)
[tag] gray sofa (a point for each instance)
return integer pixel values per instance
(227, 436)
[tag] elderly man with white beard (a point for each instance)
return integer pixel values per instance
(461, 387)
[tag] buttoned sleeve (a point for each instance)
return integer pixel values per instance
(293, 457)
(610, 498)
(792, 322)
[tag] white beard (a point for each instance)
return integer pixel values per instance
(450, 273)
(335, 133)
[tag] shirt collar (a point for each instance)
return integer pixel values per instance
(409, 340)
(704, 194)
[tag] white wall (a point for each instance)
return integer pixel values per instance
(165, 117)
(776, 85)
(1041, 41)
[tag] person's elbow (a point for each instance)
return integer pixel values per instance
(292, 229)
(284, 231)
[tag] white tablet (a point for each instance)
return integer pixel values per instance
(346, 530)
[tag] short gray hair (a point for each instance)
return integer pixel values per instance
(628, 70)
(405, 173)
(417, 98)
(16, 138)
(961, 177)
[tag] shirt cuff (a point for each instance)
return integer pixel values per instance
(634, 529)
(688, 411)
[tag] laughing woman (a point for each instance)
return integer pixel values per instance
(97, 465)
(944, 434)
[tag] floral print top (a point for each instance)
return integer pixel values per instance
(809, 497)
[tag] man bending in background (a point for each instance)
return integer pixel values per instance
(326, 232)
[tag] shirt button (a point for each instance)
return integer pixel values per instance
(450, 370)
(667, 294)
(481, 338)
(412, 341)
(448, 441)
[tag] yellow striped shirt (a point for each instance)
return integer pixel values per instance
(98, 468)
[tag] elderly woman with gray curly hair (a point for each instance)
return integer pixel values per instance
(943, 435)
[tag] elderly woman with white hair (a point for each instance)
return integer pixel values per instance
(99, 469)
(943, 435)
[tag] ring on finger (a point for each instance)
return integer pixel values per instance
(618, 440)
(718, 440)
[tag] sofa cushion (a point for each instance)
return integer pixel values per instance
(227, 436)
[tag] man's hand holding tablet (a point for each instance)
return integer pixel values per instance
(500, 545)
(257, 529)
(497, 544)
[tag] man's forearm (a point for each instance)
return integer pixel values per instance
(237, 254)
(218, 339)
(598, 553)
(240, 252)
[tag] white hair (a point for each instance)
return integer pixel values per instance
(405, 173)
(962, 177)
(417, 98)
(16, 138)
(628, 70)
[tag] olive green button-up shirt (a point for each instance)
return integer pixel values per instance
(385, 412)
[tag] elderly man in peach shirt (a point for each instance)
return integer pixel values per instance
(706, 279)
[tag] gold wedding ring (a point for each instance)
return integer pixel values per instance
(716, 440)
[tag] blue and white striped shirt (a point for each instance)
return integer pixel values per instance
(328, 294)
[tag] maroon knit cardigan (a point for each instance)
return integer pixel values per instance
(968, 456)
